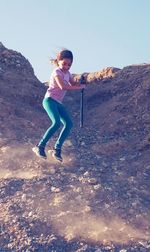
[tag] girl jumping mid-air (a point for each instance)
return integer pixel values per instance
(60, 81)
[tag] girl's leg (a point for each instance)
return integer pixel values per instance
(51, 108)
(67, 122)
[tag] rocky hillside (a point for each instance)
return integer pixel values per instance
(97, 200)
(20, 94)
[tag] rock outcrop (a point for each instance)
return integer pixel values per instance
(20, 94)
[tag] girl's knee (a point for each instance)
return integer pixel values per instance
(68, 125)
(56, 125)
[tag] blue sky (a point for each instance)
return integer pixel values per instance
(100, 33)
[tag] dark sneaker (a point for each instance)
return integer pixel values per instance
(57, 154)
(39, 151)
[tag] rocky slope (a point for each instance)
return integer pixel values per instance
(97, 200)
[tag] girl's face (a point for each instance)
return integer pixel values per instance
(65, 64)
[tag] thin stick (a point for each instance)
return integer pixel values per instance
(81, 109)
(82, 81)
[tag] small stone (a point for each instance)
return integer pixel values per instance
(77, 189)
(107, 205)
(86, 174)
(92, 181)
(52, 171)
(98, 157)
(96, 187)
(104, 164)
(55, 189)
(98, 250)
(82, 179)
(30, 214)
(24, 197)
(79, 197)
(87, 209)
(144, 244)
(81, 168)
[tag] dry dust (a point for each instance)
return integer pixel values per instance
(72, 217)
(18, 161)
(68, 211)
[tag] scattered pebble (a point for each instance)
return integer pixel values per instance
(55, 189)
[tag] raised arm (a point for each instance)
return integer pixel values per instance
(72, 85)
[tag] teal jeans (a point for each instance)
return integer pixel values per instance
(57, 114)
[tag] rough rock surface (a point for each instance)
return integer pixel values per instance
(97, 200)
